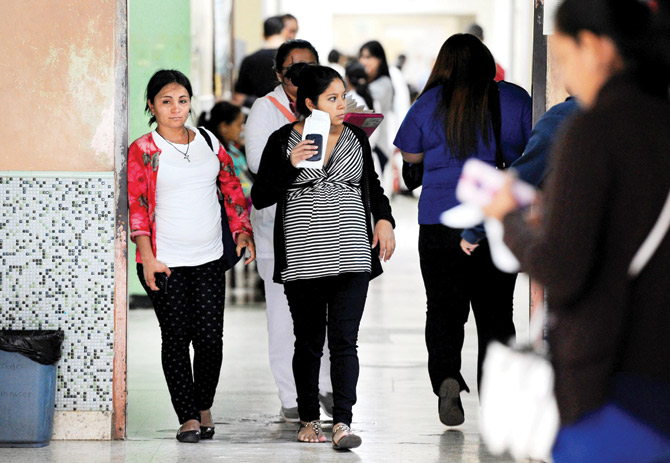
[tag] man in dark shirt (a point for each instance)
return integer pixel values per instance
(257, 77)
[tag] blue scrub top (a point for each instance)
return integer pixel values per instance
(422, 132)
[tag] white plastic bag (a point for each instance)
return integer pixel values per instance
(518, 408)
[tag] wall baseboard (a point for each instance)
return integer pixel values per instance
(69, 425)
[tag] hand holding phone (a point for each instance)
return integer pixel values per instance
(162, 282)
(318, 142)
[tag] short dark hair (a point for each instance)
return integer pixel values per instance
(159, 80)
(288, 16)
(311, 81)
(273, 26)
(334, 56)
(287, 47)
(375, 49)
(222, 111)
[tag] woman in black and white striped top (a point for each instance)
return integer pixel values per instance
(324, 223)
(326, 248)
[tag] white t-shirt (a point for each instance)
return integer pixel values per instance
(188, 215)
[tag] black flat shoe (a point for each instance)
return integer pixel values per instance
(449, 405)
(190, 437)
(206, 432)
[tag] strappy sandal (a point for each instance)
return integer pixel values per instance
(316, 426)
(348, 441)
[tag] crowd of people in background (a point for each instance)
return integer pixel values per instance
(320, 235)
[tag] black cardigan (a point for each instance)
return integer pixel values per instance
(611, 176)
(276, 174)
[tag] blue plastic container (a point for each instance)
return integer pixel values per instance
(27, 396)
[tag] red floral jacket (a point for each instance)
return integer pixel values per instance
(143, 160)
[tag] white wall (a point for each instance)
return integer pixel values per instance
(202, 53)
(507, 24)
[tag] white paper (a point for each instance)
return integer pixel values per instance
(319, 123)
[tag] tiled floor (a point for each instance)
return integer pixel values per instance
(396, 413)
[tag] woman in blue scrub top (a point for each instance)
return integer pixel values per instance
(452, 121)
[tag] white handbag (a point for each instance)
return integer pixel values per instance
(518, 407)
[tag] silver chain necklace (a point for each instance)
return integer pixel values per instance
(188, 144)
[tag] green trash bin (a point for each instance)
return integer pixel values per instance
(28, 369)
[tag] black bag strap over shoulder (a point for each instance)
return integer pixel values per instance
(205, 135)
(230, 257)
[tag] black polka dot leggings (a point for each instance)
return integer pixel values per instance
(191, 312)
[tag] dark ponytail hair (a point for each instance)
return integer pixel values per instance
(159, 80)
(358, 78)
(466, 70)
(640, 35)
(221, 112)
(311, 81)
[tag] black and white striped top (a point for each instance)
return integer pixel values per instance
(324, 223)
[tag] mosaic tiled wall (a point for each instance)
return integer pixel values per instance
(57, 271)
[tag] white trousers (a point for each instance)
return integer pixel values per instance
(281, 339)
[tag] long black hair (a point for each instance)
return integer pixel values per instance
(642, 38)
(375, 49)
(221, 112)
(358, 78)
(159, 80)
(311, 81)
(465, 69)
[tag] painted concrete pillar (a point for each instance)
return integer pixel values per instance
(62, 187)
(547, 90)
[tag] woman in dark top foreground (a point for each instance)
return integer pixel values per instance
(608, 334)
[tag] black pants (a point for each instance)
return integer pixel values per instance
(336, 304)
(454, 280)
(191, 312)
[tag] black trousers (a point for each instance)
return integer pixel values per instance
(336, 304)
(454, 280)
(191, 312)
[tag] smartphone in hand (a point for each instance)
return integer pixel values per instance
(318, 142)
(162, 282)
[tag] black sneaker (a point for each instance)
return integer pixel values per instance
(449, 404)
